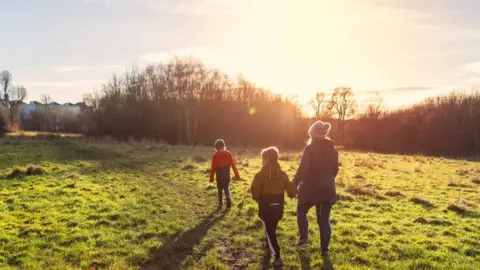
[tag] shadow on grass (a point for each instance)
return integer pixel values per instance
(176, 249)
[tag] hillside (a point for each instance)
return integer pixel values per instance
(139, 205)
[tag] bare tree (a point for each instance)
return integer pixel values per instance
(344, 106)
(47, 110)
(189, 79)
(19, 93)
(46, 99)
(201, 79)
(5, 82)
(92, 100)
(11, 96)
(321, 107)
(374, 107)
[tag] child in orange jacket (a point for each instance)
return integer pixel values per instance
(222, 160)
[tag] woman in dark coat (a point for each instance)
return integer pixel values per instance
(315, 181)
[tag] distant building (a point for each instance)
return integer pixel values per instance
(26, 109)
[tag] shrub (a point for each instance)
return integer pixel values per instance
(16, 173)
(31, 170)
(35, 171)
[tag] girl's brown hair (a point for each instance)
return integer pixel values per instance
(271, 153)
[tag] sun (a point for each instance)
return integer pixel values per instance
(293, 46)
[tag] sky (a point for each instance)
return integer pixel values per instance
(406, 50)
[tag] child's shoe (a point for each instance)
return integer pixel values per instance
(325, 253)
(302, 243)
(266, 248)
(229, 204)
(278, 262)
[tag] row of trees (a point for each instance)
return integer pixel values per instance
(183, 101)
(444, 125)
(341, 106)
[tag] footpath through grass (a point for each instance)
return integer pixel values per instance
(131, 206)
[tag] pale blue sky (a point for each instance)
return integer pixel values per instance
(406, 49)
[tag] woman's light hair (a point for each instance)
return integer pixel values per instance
(318, 129)
(271, 153)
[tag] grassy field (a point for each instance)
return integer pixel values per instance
(127, 206)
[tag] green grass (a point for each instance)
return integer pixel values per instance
(129, 206)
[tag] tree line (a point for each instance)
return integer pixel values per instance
(184, 102)
(444, 125)
(447, 125)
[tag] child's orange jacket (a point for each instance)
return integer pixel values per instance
(222, 160)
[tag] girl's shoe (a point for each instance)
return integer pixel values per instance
(302, 243)
(278, 262)
(266, 249)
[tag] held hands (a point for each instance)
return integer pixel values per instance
(294, 196)
(210, 186)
